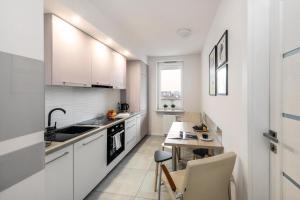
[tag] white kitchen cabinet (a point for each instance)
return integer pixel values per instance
(142, 126)
(137, 86)
(67, 54)
(119, 71)
(130, 133)
(59, 174)
(102, 64)
(89, 163)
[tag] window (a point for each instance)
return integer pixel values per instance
(169, 91)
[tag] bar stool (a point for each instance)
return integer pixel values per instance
(200, 152)
(159, 157)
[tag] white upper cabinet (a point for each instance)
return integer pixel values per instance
(67, 54)
(119, 71)
(102, 64)
(137, 84)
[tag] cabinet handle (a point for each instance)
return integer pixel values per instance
(92, 140)
(64, 154)
(79, 84)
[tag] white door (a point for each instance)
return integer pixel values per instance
(285, 100)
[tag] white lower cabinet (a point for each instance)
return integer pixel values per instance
(59, 174)
(130, 133)
(89, 163)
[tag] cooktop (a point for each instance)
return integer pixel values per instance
(99, 121)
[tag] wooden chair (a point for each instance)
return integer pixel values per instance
(204, 179)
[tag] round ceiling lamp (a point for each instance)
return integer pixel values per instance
(184, 32)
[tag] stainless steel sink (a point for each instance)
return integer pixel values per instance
(64, 134)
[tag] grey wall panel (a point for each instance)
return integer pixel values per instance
(18, 165)
(21, 96)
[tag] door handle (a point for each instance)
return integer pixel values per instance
(271, 135)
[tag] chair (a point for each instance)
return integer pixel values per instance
(159, 157)
(204, 179)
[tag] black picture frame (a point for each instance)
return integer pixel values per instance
(212, 71)
(222, 80)
(222, 50)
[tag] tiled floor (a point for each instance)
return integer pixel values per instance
(133, 178)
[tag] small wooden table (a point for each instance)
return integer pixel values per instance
(174, 132)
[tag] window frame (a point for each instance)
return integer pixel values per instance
(169, 64)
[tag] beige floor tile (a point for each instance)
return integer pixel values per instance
(123, 181)
(137, 161)
(147, 188)
(108, 196)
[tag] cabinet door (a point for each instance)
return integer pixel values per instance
(138, 128)
(89, 164)
(144, 125)
(119, 71)
(71, 55)
(102, 64)
(143, 88)
(59, 174)
(130, 133)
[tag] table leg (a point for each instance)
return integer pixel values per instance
(174, 160)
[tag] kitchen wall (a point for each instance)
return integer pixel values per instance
(80, 103)
(229, 112)
(191, 88)
(22, 100)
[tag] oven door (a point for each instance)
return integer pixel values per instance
(112, 150)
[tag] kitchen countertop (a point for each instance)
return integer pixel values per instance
(55, 146)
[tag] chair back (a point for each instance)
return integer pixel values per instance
(209, 178)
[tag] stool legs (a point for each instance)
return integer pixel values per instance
(155, 177)
(159, 183)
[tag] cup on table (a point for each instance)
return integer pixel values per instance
(205, 135)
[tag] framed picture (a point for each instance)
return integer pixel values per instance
(212, 71)
(222, 50)
(222, 80)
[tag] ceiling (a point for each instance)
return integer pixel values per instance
(153, 23)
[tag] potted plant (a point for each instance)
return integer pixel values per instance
(165, 106)
(173, 106)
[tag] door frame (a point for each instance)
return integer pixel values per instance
(258, 97)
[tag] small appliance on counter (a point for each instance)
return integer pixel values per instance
(123, 107)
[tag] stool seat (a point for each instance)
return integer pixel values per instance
(200, 152)
(161, 156)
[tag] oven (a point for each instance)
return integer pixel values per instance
(115, 141)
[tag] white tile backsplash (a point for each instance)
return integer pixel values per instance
(80, 103)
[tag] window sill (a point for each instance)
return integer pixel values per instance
(170, 111)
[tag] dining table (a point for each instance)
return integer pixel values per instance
(174, 139)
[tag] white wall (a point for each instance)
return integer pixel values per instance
(22, 37)
(80, 103)
(229, 112)
(21, 33)
(191, 85)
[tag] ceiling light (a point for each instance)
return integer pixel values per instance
(76, 19)
(184, 32)
(109, 41)
(126, 53)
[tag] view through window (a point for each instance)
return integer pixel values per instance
(170, 95)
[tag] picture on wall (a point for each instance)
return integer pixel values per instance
(222, 80)
(222, 50)
(212, 71)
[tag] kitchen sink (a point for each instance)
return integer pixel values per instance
(75, 129)
(64, 134)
